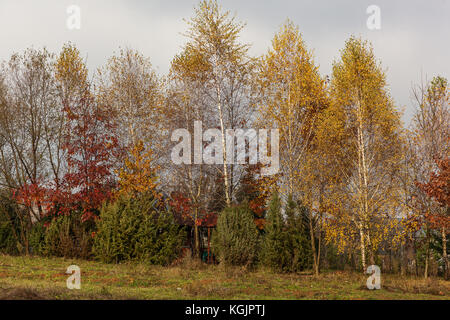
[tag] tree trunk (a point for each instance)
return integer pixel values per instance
(363, 183)
(196, 236)
(318, 254)
(444, 253)
(224, 150)
(427, 257)
(370, 250)
(363, 249)
(313, 244)
(404, 259)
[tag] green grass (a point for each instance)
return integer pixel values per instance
(45, 278)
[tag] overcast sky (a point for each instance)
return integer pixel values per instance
(413, 41)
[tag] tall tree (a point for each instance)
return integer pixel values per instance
(226, 72)
(292, 97)
(185, 104)
(131, 91)
(209, 82)
(438, 188)
(30, 123)
(430, 140)
(368, 123)
(90, 144)
(30, 131)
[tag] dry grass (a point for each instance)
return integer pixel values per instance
(431, 286)
(40, 278)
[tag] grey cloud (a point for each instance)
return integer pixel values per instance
(413, 39)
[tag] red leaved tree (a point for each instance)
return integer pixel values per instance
(91, 149)
(88, 143)
(438, 188)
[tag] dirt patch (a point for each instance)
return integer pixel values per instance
(199, 289)
(20, 294)
(431, 286)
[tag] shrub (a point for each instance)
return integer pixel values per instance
(66, 236)
(12, 236)
(134, 228)
(236, 239)
(37, 238)
(8, 242)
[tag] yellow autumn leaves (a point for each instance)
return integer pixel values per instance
(138, 175)
(339, 143)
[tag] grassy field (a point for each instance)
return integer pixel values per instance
(43, 278)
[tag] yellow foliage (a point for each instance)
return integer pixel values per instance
(360, 135)
(138, 174)
(292, 96)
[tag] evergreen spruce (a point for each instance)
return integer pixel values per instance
(137, 229)
(274, 238)
(236, 239)
(286, 243)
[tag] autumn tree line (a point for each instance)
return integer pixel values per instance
(85, 167)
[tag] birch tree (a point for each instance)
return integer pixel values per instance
(226, 73)
(362, 110)
(131, 90)
(185, 104)
(30, 123)
(293, 94)
(31, 153)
